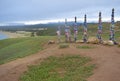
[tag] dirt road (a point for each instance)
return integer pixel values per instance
(107, 60)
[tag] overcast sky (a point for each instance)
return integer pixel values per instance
(38, 10)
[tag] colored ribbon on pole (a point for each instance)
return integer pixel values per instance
(59, 33)
(67, 32)
(99, 33)
(112, 33)
(75, 29)
(85, 29)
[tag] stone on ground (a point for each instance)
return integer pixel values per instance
(93, 40)
(51, 42)
(79, 41)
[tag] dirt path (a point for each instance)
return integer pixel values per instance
(106, 58)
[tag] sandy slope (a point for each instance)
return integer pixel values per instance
(13, 35)
(106, 58)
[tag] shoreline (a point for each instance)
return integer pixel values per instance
(14, 34)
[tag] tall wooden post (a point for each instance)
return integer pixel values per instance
(75, 29)
(112, 33)
(99, 33)
(67, 32)
(85, 37)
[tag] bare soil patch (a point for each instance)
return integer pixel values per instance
(106, 58)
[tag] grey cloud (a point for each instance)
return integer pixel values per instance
(18, 10)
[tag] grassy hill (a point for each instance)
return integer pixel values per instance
(11, 49)
(73, 68)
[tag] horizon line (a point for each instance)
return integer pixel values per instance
(34, 22)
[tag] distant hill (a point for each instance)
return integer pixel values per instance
(52, 27)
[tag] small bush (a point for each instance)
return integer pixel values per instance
(85, 47)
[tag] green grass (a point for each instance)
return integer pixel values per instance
(11, 49)
(63, 68)
(8, 42)
(84, 47)
(63, 46)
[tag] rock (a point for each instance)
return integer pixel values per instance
(110, 43)
(119, 44)
(93, 40)
(51, 42)
(104, 42)
(79, 41)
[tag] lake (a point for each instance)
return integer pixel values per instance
(3, 36)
